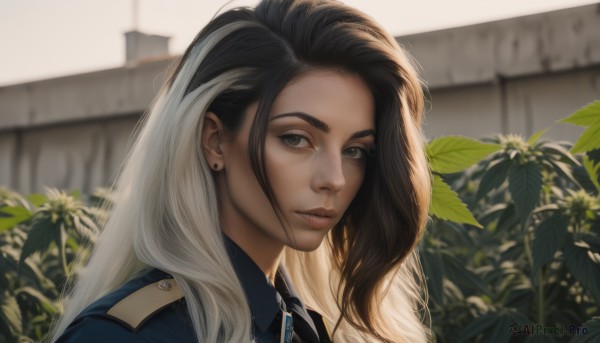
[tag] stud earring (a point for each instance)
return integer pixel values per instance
(215, 166)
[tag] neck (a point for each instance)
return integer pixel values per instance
(263, 250)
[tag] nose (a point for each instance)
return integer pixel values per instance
(329, 173)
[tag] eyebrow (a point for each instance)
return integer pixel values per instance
(363, 133)
(321, 125)
(308, 118)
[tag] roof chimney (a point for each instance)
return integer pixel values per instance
(140, 46)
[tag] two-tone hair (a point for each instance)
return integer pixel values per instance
(365, 279)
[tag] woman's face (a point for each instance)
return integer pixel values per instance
(321, 127)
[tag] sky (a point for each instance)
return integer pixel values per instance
(42, 39)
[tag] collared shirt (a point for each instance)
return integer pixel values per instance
(267, 302)
(173, 324)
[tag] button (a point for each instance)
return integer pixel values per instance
(165, 285)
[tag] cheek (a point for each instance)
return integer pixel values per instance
(242, 185)
(288, 173)
(354, 175)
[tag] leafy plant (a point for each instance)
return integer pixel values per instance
(537, 259)
(514, 241)
(451, 154)
(39, 238)
(589, 117)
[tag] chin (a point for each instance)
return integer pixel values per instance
(306, 242)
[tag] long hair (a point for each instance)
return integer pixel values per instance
(365, 278)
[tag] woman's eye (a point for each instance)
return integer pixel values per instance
(295, 141)
(354, 152)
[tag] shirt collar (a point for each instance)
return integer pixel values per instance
(260, 294)
(264, 300)
(294, 304)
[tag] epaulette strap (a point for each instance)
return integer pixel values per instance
(143, 303)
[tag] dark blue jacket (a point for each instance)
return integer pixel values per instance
(165, 317)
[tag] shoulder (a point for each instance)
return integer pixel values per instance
(144, 309)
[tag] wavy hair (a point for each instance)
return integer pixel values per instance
(365, 278)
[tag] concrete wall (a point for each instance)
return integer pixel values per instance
(78, 98)
(535, 44)
(520, 105)
(73, 132)
(518, 75)
(71, 156)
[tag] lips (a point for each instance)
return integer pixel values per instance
(319, 218)
(321, 212)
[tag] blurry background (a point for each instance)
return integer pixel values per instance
(75, 76)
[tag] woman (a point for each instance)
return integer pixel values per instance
(276, 192)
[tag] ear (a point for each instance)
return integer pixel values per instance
(212, 140)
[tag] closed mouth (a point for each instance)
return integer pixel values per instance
(324, 213)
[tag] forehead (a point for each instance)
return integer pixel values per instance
(332, 96)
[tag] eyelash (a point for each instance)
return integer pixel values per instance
(285, 140)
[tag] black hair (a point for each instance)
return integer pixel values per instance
(288, 38)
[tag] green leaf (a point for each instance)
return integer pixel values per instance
(84, 225)
(10, 314)
(446, 205)
(508, 219)
(457, 272)
(451, 154)
(477, 326)
(592, 334)
(491, 213)
(534, 138)
(494, 177)
(590, 239)
(456, 233)
(553, 148)
(549, 237)
(584, 269)
(16, 215)
(434, 272)
(517, 295)
(15, 211)
(563, 170)
(453, 293)
(593, 171)
(42, 233)
(500, 333)
(36, 199)
(525, 185)
(585, 116)
(546, 208)
(589, 140)
(33, 294)
(27, 271)
(75, 194)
